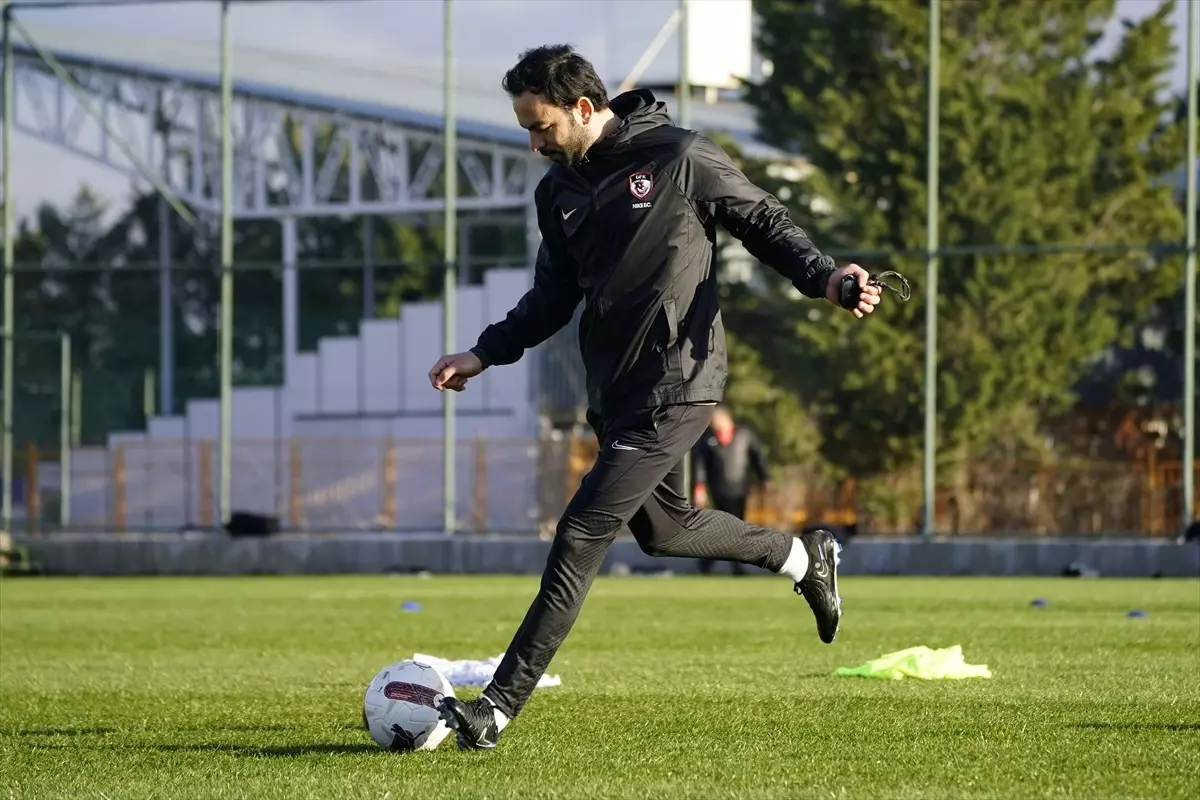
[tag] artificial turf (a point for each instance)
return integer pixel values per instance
(679, 687)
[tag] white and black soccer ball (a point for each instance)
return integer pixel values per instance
(400, 706)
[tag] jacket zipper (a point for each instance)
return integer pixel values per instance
(591, 185)
(583, 176)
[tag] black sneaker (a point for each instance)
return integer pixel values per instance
(820, 587)
(473, 722)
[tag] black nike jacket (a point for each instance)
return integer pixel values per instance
(631, 229)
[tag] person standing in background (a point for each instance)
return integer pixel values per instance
(726, 464)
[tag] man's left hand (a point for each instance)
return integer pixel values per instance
(869, 296)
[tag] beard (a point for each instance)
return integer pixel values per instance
(573, 147)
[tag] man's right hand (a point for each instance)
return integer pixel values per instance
(452, 371)
(869, 294)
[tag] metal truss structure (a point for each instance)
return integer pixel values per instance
(290, 153)
(295, 154)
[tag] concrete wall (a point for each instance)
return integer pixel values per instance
(341, 404)
(202, 554)
(381, 372)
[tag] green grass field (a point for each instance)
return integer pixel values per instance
(682, 687)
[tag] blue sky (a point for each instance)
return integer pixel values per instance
(611, 32)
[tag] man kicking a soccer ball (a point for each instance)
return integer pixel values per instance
(628, 214)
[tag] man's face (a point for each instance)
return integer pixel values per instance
(559, 134)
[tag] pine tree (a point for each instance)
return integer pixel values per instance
(1043, 141)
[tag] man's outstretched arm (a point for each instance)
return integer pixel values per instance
(761, 223)
(543, 311)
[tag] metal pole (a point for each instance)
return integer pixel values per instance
(166, 316)
(148, 409)
(6, 512)
(76, 408)
(226, 415)
(369, 267)
(931, 267)
(291, 297)
(651, 52)
(64, 433)
(449, 279)
(1189, 314)
(685, 121)
(685, 83)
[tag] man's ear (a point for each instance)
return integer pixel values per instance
(586, 109)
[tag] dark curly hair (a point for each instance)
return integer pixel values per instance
(558, 74)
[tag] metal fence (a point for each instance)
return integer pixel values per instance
(521, 486)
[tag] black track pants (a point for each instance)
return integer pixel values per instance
(637, 480)
(730, 505)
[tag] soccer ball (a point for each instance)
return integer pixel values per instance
(400, 706)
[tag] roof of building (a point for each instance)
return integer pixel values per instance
(406, 93)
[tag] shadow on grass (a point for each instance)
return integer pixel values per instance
(1140, 726)
(103, 731)
(265, 751)
(238, 750)
(66, 731)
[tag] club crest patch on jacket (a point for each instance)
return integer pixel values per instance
(641, 184)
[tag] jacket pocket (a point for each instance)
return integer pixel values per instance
(671, 356)
(672, 322)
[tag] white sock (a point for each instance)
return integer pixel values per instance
(796, 565)
(501, 717)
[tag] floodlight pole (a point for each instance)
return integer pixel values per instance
(685, 121)
(449, 275)
(166, 316)
(931, 268)
(1189, 314)
(685, 78)
(651, 52)
(226, 329)
(64, 433)
(6, 513)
